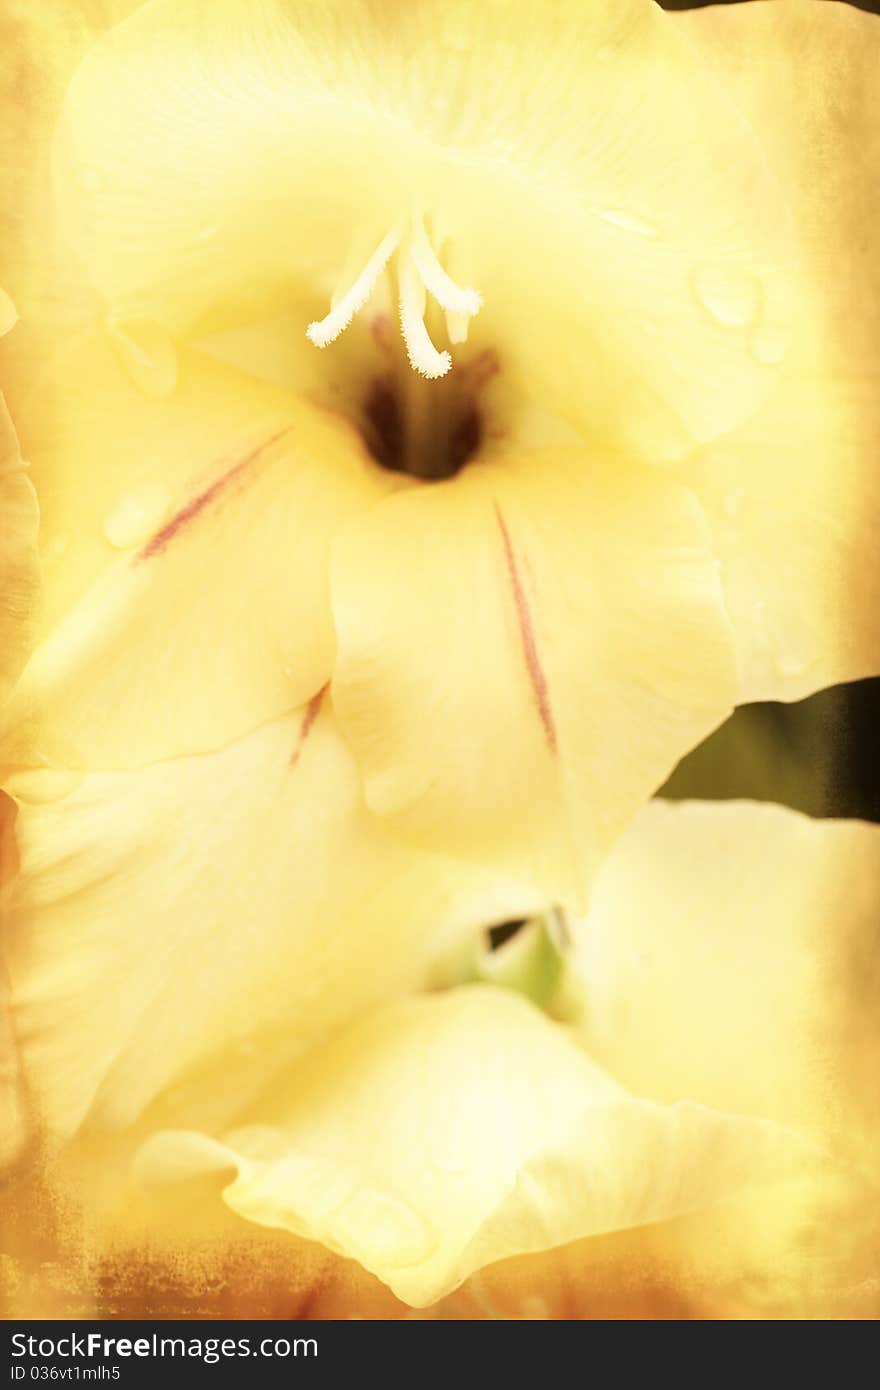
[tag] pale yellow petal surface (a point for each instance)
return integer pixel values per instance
(794, 495)
(19, 570)
(543, 639)
(593, 184)
(185, 545)
(13, 1120)
(41, 45)
(444, 1133)
(238, 903)
(793, 499)
(718, 956)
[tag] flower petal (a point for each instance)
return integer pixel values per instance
(717, 957)
(241, 900)
(185, 544)
(542, 641)
(13, 1120)
(794, 494)
(793, 499)
(610, 204)
(19, 567)
(444, 1133)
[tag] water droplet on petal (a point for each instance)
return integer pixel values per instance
(137, 515)
(790, 665)
(8, 313)
(729, 297)
(147, 354)
(629, 222)
(383, 1229)
(733, 501)
(769, 346)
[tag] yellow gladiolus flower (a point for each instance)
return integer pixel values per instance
(388, 174)
(446, 1132)
(457, 416)
(537, 259)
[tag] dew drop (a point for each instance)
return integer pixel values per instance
(733, 502)
(730, 298)
(790, 665)
(137, 515)
(768, 346)
(629, 222)
(147, 354)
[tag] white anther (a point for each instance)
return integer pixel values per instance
(324, 331)
(422, 354)
(447, 293)
(418, 272)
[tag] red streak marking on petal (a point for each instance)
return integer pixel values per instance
(157, 543)
(305, 728)
(527, 635)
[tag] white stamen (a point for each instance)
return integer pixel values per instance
(447, 293)
(457, 326)
(422, 354)
(324, 331)
(419, 272)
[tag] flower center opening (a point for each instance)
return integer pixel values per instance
(417, 416)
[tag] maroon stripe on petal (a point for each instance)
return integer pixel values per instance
(527, 636)
(311, 713)
(157, 543)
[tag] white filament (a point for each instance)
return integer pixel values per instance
(447, 293)
(418, 272)
(457, 326)
(326, 330)
(423, 356)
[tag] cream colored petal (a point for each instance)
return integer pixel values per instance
(442, 1134)
(41, 45)
(793, 495)
(804, 73)
(597, 188)
(13, 1118)
(237, 904)
(19, 600)
(185, 545)
(19, 569)
(543, 639)
(718, 958)
(793, 499)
